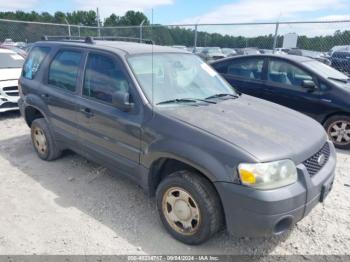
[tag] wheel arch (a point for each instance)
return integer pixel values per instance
(31, 113)
(338, 113)
(164, 166)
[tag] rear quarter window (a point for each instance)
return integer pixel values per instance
(34, 60)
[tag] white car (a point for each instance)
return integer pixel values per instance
(10, 71)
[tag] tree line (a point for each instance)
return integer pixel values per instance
(159, 34)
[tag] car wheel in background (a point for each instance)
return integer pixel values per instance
(189, 207)
(338, 130)
(43, 141)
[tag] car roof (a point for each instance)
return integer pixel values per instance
(129, 48)
(6, 51)
(293, 58)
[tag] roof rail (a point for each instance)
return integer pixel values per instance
(92, 39)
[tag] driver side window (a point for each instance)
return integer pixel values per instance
(103, 77)
(283, 72)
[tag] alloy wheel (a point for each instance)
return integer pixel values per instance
(339, 132)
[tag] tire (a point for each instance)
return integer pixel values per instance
(338, 131)
(202, 211)
(43, 141)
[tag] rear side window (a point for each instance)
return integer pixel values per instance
(247, 68)
(64, 69)
(285, 73)
(103, 77)
(34, 60)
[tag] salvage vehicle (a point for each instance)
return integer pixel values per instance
(10, 70)
(211, 53)
(300, 83)
(161, 116)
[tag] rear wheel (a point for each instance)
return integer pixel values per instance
(43, 141)
(189, 207)
(338, 130)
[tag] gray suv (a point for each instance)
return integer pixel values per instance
(212, 157)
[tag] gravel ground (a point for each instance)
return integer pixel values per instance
(72, 206)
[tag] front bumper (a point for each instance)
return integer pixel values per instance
(8, 95)
(251, 212)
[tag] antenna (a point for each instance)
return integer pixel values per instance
(152, 63)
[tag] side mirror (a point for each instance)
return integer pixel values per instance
(308, 84)
(121, 100)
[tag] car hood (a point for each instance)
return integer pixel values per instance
(10, 73)
(263, 129)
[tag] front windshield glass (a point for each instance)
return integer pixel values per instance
(325, 70)
(177, 76)
(11, 60)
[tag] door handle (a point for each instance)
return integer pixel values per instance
(87, 112)
(45, 96)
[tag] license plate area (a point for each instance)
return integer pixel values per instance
(326, 188)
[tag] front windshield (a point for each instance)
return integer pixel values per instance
(177, 76)
(325, 70)
(11, 60)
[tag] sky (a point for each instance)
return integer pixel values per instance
(199, 11)
(170, 12)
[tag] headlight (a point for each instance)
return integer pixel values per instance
(268, 175)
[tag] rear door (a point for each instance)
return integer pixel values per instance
(246, 74)
(59, 91)
(284, 86)
(108, 134)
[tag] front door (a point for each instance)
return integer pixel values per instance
(284, 87)
(108, 134)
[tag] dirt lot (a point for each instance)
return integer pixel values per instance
(72, 206)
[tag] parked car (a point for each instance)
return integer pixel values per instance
(336, 48)
(319, 56)
(282, 49)
(341, 59)
(198, 50)
(15, 49)
(300, 83)
(247, 51)
(8, 41)
(229, 52)
(211, 156)
(10, 71)
(211, 53)
(271, 51)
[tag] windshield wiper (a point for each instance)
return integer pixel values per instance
(340, 79)
(185, 100)
(221, 95)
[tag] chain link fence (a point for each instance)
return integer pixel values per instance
(327, 41)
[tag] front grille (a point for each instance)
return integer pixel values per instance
(9, 105)
(11, 90)
(312, 164)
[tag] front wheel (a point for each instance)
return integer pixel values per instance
(189, 207)
(338, 130)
